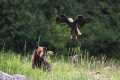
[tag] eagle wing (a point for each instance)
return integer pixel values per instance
(64, 19)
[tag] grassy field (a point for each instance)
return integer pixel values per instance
(85, 69)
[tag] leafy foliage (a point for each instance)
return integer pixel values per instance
(25, 23)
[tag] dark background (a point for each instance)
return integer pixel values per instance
(27, 23)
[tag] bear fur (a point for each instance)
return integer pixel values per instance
(38, 59)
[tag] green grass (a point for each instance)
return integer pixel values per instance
(61, 69)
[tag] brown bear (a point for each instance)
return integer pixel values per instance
(38, 59)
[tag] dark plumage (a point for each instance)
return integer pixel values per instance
(73, 24)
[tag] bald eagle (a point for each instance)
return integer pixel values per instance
(74, 25)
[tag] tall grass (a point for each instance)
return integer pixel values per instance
(13, 63)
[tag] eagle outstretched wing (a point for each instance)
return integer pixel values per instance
(81, 20)
(64, 19)
(74, 25)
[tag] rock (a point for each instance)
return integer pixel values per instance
(5, 76)
(19, 77)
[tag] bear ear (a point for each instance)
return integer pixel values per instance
(36, 47)
(45, 48)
